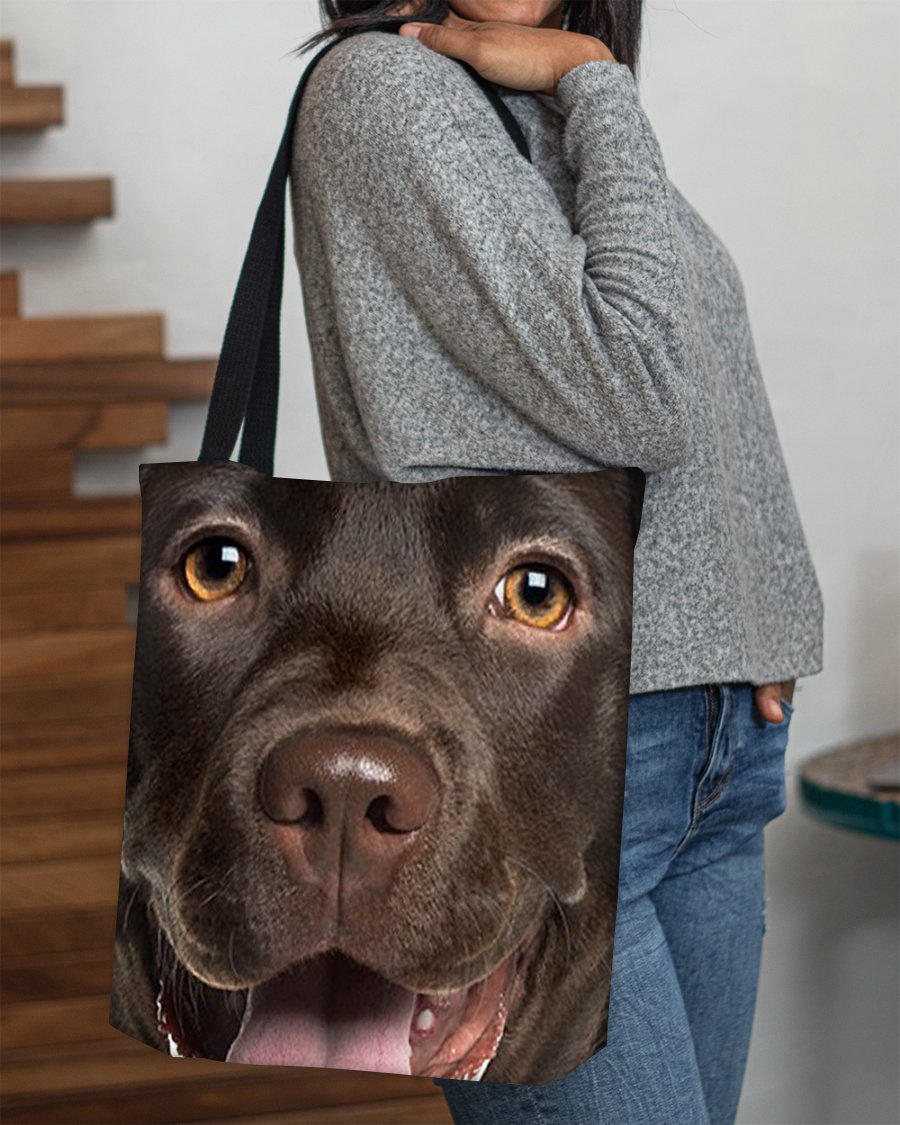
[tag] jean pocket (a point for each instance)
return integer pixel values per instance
(787, 709)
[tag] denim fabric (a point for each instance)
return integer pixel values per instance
(705, 773)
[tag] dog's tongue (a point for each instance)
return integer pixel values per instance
(331, 1012)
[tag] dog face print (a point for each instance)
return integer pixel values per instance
(376, 768)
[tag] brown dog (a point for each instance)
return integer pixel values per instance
(376, 770)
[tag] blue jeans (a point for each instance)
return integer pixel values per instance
(705, 773)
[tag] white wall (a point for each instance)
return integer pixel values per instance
(780, 122)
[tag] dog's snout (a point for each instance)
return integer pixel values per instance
(355, 802)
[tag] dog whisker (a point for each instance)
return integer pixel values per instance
(131, 901)
(560, 909)
(231, 953)
(185, 891)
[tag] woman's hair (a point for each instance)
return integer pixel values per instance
(616, 22)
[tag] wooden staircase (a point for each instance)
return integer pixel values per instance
(61, 200)
(68, 384)
(26, 107)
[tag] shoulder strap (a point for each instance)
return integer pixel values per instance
(245, 391)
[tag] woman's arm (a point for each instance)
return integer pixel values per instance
(515, 55)
(584, 333)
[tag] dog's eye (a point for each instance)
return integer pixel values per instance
(214, 569)
(535, 594)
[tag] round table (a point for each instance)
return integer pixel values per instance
(856, 786)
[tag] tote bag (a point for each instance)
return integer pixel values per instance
(377, 746)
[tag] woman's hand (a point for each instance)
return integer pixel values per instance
(768, 699)
(522, 58)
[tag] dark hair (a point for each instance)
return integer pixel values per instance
(616, 22)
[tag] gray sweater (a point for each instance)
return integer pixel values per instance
(469, 312)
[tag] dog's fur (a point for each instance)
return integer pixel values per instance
(367, 606)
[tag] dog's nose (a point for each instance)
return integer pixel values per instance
(356, 799)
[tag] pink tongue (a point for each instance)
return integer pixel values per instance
(327, 1012)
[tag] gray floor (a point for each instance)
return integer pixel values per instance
(826, 1047)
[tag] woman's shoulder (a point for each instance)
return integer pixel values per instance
(377, 86)
(376, 71)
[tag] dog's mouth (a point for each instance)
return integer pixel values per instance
(332, 1011)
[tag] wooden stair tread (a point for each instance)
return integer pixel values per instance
(113, 425)
(67, 655)
(94, 788)
(80, 1066)
(74, 832)
(102, 700)
(39, 732)
(9, 293)
(54, 930)
(30, 107)
(40, 744)
(55, 201)
(86, 563)
(73, 1019)
(72, 517)
(123, 1061)
(49, 976)
(74, 339)
(180, 380)
(429, 1109)
(60, 884)
(25, 478)
(69, 699)
(67, 609)
(185, 1107)
(7, 75)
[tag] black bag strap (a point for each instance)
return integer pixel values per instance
(245, 391)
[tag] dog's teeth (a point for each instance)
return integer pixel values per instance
(425, 1020)
(477, 1075)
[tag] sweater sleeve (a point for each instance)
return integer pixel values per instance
(583, 333)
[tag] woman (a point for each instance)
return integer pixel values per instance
(469, 311)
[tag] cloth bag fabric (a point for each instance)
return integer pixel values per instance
(377, 746)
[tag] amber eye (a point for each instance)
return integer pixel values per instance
(214, 569)
(535, 594)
